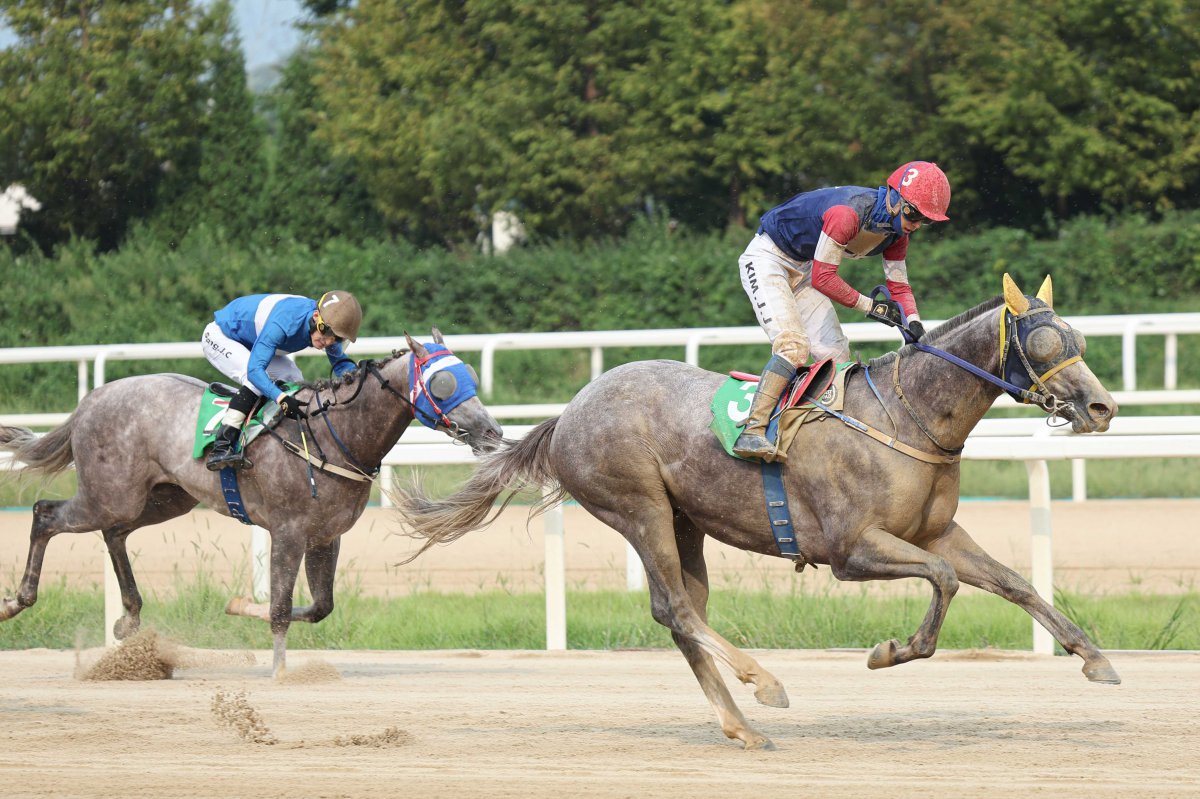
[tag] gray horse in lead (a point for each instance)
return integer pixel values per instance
(131, 442)
(634, 448)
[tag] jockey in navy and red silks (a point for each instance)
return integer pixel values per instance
(790, 273)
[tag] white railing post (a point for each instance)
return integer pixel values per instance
(260, 559)
(1078, 480)
(1129, 356)
(597, 362)
(1171, 362)
(556, 577)
(386, 482)
(82, 373)
(635, 572)
(487, 367)
(1042, 547)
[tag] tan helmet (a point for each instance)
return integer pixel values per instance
(340, 312)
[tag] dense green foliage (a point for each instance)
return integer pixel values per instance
(756, 618)
(420, 119)
(148, 292)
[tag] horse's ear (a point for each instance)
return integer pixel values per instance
(1046, 292)
(437, 336)
(418, 350)
(1013, 298)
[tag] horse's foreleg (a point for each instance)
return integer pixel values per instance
(879, 555)
(131, 599)
(695, 579)
(45, 526)
(320, 565)
(978, 568)
(286, 553)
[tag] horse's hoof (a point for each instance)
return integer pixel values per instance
(9, 608)
(125, 627)
(236, 606)
(1102, 672)
(758, 742)
(883, 655)
(772, 695)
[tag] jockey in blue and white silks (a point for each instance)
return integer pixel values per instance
(251, 340)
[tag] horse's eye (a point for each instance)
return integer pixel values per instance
(1044, 344)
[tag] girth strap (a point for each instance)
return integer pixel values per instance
(233, 495)
(778, 514)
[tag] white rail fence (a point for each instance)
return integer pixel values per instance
(1027, 439)
(92, 360)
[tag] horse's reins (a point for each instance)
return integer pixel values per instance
(358, 471)
(1043, 397)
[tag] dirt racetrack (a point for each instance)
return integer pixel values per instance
(597, 724)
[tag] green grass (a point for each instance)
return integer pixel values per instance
(193, 615)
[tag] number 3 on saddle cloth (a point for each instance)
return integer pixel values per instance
(823, 381)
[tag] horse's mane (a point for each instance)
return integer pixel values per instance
(939, 332)
(350, 378)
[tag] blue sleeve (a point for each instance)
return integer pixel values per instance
(260, 357)
(341, 364)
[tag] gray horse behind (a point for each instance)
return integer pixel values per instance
(131, 442)
(634, 448)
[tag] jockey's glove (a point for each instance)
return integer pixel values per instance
(916, 330)
(886, 311)
(291, 407)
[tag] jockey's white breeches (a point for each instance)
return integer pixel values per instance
(797, 318)
(232, 359)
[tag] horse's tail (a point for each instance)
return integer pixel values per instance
(513, 466)
(49, 454)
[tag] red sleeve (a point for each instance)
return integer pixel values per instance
(902, 293)
(840, 224)
(898, 250)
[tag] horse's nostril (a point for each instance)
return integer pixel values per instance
(1099, 410)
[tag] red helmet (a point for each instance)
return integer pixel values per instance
(924, 185)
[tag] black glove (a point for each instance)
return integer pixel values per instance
(291, 407)
(886, 311)
(916, 330)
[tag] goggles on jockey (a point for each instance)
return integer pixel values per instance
(325, 330)
(912, 214)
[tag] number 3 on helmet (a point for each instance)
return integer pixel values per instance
(925, 186)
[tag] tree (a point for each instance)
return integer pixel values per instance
(97, 100)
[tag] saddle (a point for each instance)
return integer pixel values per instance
(824, 381)
(212, 410)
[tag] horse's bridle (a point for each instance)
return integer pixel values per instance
(359, 471)
(1012, 343)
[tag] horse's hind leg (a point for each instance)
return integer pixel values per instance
(164, 502)
(879, 555)
(648, 526)
(695, 580)
(978, 568)
(46, 525)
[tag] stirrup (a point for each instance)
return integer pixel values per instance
(753, 445)
(235, 460)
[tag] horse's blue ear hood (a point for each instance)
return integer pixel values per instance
(440, 381)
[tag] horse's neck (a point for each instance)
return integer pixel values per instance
(951, 400)
(371, 423)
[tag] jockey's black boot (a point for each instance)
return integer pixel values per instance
(753, 443)
(225, 451)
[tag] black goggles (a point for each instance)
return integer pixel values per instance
(912, 214)
(326, 330)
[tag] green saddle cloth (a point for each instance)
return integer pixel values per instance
(731, 406)
(212, 410)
